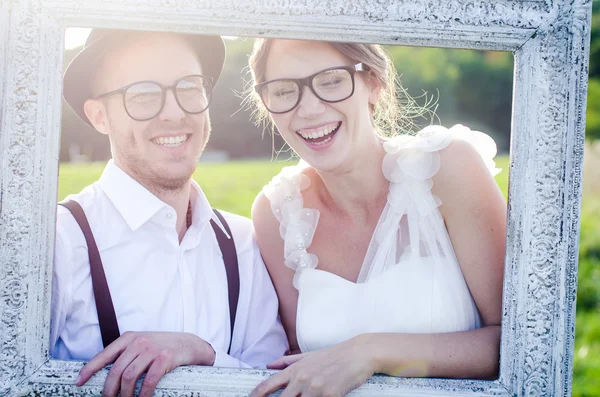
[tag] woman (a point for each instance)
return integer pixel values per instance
(386, 253)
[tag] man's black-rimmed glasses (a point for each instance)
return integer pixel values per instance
(143, 100)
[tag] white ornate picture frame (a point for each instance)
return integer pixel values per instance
(550, 42)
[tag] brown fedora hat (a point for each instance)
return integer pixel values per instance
(76, 81)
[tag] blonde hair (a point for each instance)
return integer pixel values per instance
(391, 115)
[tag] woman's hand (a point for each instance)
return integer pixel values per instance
(286, 361)
(333, 371)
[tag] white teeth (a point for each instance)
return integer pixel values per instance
(171, 141)
(319, 133)
(323, 142)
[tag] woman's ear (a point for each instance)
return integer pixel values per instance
(374, 88)
(96, 112)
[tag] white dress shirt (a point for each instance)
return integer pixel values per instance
(156, 282)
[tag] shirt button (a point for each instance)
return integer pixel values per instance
(169, 215)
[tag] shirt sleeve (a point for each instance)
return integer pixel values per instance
(222, 359)
(264, 338)
(61, 283)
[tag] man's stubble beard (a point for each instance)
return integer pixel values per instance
(141, 171)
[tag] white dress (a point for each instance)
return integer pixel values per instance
(410, 280)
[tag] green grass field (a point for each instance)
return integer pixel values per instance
(232, 187)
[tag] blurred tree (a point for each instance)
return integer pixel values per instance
(473, 88)
(232, 126)
(595, 41)
(592, 129)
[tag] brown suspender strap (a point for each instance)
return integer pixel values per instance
(109, 328)
(227, 247)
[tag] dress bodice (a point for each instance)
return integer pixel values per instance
(410, 280)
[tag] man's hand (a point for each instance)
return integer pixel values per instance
(153, 353)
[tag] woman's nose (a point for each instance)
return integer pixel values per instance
(310, 105)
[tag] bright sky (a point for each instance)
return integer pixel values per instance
(75, 37)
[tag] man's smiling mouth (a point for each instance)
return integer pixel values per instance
(171, 141)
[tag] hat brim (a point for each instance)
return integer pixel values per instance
(77, 78)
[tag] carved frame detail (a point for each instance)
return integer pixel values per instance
(550, 42)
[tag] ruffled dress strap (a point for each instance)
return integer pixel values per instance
(410, 226)
(416, 157)
(297, 224)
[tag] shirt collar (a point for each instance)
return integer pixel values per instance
(202, 212)
(134, 202)
(137, 205)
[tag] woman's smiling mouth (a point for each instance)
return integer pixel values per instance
(321, 134)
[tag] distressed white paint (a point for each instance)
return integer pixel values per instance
(550, 40)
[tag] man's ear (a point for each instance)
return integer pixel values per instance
(96, 112)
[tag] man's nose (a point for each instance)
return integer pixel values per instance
(310, 105)
(171, 109)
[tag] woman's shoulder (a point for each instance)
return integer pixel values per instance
(281, 200)
(279, 210)
(465, 181)
(287, 185)
(262, 215)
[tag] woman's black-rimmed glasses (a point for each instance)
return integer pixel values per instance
(143, 100)
(330, 85)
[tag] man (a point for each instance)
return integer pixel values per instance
(155, 232)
